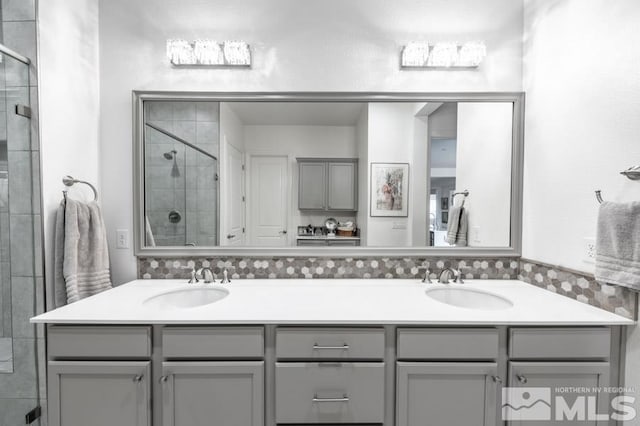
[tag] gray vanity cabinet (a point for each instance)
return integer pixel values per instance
(328, 184)
(449, 376)
(547, 359)
(212, 393)
(554, 375)
(447, 394)
(96, 393)
(225, 386)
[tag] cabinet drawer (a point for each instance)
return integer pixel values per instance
(348, 392)
(559, 343)
(329, 343)
(213, 342)
(98, 342)
(447, 343)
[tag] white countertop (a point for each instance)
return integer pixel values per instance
(330, 301)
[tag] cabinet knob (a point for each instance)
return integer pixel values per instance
(138, 378)
(164, 379)
(283, 232)
(497, 379)
(521, 379)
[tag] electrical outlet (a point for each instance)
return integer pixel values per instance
(122, 238)
(589, 250)
(475, 234)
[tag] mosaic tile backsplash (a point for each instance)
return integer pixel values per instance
(320, 267)
(581, 287)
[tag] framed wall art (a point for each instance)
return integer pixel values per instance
(389, 193)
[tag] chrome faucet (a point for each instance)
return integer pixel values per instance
(194, 277)
(206, 274)
(426, 278)
(225, 277)
(449, 273)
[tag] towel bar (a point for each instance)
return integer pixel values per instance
(70, 181)
(599, 196)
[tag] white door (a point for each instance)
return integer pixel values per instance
(269, 202)
(234, 232)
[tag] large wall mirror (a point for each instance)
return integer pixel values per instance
(352, 174)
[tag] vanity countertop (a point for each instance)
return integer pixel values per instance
(330, 301)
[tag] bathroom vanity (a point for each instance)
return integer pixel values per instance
(300, 352)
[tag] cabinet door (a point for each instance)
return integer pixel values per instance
(213, 393)
(97, 393)
(446, 394)
(533, 388)
(342, 186)
(312, 185)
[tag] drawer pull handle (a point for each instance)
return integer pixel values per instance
(344, 398)
(343, 347)
(521, 379)
(138, 378)
(497, 379)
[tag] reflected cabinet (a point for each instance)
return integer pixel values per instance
(328, 184)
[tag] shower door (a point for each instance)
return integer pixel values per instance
(21, 282)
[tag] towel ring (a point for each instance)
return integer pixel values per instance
(465, 193)
(70, 181)
(599, 196)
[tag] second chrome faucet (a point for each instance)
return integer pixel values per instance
(444, 276)
(207, 276)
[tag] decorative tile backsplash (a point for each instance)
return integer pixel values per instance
(573, 284)
(579, 286)
(322, 267)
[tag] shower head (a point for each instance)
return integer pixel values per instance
(170, 155)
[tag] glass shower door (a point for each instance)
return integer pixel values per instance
(21, 282)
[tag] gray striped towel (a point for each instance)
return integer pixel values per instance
(457, 226)
(81, 252)
(618, 244)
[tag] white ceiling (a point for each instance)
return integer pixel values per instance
(297, 113)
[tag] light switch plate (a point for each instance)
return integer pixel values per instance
(122, 238)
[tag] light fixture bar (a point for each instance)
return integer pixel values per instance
(208, 53)
(420, 54)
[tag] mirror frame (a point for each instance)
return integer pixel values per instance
(517, 161)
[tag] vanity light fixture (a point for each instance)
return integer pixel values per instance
(208, 53)
(443, 55)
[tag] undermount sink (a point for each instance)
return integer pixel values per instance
(469, 298)
(187, 297)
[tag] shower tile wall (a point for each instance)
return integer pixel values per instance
(192, 193)
(21, 275)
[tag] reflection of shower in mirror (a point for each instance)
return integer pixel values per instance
(172, 155)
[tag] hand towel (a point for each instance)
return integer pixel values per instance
(457, 226)
(82, 255)
(618, 244)
(59, 285)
